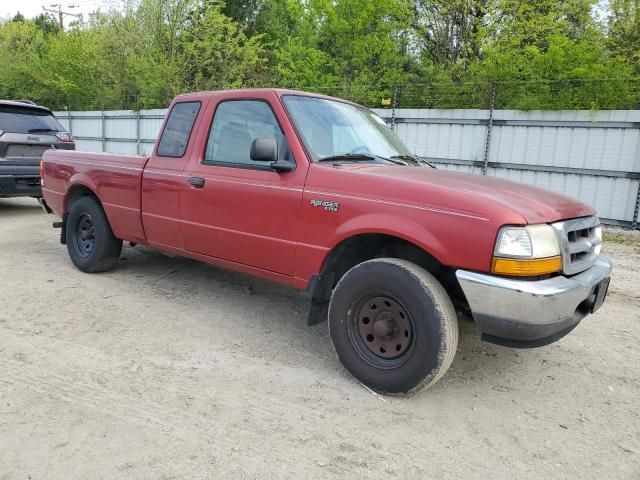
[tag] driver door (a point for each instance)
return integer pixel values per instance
(238, 209)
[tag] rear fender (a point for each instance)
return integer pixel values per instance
(79, 180)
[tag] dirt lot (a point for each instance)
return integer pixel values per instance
(166, 368)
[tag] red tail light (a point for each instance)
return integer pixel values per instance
(65, 137)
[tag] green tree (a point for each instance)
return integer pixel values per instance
(299, 61)
(449, 32)
(361, 43)
(216, 54)
(47, 23)
(243, 12)
(624, 31)
(22, 45)
(534, 53)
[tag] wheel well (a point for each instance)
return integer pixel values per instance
(76, 193)
(360, 248)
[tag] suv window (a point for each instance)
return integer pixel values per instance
(176, 133)
(14, 119)
(236, 124)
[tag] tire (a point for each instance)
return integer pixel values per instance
(393, 326)
(97, 250)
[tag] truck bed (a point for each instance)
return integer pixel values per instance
(116, 179)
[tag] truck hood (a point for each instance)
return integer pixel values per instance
(533, 204)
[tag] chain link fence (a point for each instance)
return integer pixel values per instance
(557, 94)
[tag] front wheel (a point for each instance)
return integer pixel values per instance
(90, 241)
(393, 326)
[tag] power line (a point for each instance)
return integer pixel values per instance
(60, 13)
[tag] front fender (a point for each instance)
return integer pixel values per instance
(394, 226)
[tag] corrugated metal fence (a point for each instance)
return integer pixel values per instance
(592, 156)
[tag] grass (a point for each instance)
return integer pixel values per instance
(621, 237)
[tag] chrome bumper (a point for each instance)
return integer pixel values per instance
(531, 313)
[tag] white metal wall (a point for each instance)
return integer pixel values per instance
(115, 131)
(592, 156)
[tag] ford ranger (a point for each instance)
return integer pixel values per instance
(318, 193)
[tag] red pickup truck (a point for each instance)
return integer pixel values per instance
(318, 193)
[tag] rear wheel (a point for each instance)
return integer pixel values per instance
(393, 326)
(90, 240)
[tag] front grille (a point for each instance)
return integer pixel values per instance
(580, 241)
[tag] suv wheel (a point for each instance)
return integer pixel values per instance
(393, 326)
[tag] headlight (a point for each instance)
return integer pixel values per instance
(527, 251)
(534, 241)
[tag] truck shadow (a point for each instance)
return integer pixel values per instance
(258, 306)
(10, 207)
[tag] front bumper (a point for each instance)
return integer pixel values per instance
(525, 314)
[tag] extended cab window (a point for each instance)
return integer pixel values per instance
(175, 137)
(236, 124)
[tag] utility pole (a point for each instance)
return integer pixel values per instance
(60, 13)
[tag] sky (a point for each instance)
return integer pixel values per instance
(32, 8)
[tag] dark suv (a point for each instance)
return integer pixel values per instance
(26, 131)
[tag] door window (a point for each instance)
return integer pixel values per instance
(236, 124)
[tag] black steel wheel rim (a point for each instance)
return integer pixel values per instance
(85, 235)
(381, 330)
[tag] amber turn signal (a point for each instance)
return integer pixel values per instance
(526, 268)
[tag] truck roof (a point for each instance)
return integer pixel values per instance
(278, 91)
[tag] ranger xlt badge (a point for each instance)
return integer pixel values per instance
(328, 206)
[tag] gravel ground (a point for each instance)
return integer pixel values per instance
(166, 368)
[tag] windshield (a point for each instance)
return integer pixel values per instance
(331, 128)
(14, 119)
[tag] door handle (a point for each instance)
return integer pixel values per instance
(197, 182)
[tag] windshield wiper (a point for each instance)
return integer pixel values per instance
(348, 157)
(415, 159)
(42, 130)
(395, 159)
(357, 157)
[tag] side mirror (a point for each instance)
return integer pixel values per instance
(264, 150)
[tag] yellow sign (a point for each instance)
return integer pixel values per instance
(385, 101)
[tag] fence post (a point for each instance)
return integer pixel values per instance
(102, 127)
(636, 212)
(138, 139)
(487, 143)
(394, 106)
(70, 120)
